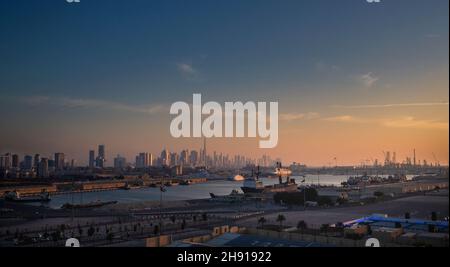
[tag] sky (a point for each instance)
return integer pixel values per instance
(352, 78)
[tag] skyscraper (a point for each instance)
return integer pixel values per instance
(120, 162)
(15, 161)
(165, 158)
(144, 160)
(28, 162)
(101, 156)
(37, 159)
(5, 161)
(59, 161)
(91, 158)
(101, 151)
(43, 168)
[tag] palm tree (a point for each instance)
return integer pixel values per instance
(262, 221)
(280, 219)
(301, 225)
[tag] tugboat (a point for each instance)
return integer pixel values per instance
(16, 197)
(254, 185)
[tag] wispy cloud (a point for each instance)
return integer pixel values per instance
(368, 79)
(411, 122)
(401, 105)
(79, 103)
(186, 69)
(343, 118)
(398, 122)
(35, 100)
(325, 67)
(432, 36)
(299, 116)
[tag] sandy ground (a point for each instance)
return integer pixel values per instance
(418, 206)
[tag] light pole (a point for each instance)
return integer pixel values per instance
(161, 191)
(304, 193)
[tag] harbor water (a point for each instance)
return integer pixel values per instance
(179, 192)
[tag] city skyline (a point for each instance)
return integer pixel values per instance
(361, 80)
(196, 158)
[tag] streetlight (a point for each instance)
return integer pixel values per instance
(304, 193)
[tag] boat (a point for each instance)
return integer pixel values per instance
(129, 187)
(16, 197)
(185, 182)
(232, 197)
(254, 185)
(95, 204)
(237, 178)
(279, 171)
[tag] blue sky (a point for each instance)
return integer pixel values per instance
(114, 58)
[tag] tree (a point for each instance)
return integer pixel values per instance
(378, 194)
(91, 231)
(262, 221)
(281, 219)
(109, 237)
(324, 228)
(156, 230)
(324, 201)
(301, 225)
(434, 216)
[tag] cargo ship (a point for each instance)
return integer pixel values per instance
(95, 204)
(254, 185)
(16, 197)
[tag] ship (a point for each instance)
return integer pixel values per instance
(185, 182)
(16, 197)
(95, 204)
(254, 185)
(237, 178)
(234, 196)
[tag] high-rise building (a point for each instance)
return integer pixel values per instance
(5, 161)
(174, 159)
(37, 159)
(165, 158)
(43, 168)
(120, 162)
(194, 158)
(91, 159)
(101, 156)
(101, 151)
(184, 157)
(205, 153)
(59, 161)
(28, 162)
(15, 161)
(144, 160)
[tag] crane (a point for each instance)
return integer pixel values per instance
(435, 159)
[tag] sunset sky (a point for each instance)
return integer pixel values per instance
(352, 79)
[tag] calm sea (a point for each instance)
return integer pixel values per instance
(180, 192)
